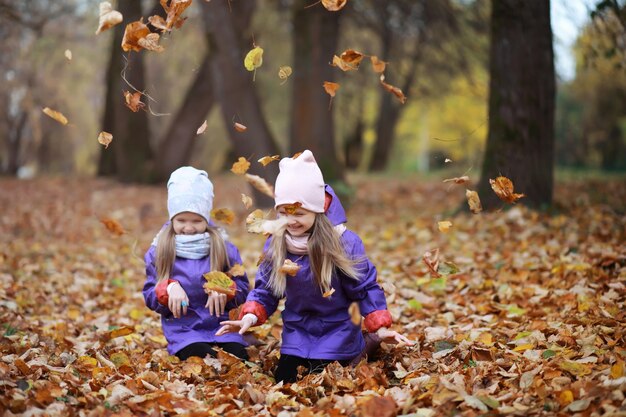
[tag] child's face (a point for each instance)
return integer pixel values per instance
(187, 223)
(300, 220)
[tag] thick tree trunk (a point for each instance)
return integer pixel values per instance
(315, 37)
(520, 143)
(236, 91)
(132, 157)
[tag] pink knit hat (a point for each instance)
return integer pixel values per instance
(300, 181)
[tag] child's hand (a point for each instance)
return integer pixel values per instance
(178, 300)
(242, 325)
(391, 336)
(216, 303)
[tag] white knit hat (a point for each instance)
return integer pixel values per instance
(300, 181)
(189, 189)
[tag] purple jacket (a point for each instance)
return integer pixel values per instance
(197, 325)
(315, 327)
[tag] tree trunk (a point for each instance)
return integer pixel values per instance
(520, 143)
(132, 159)
(315, 38)
(236, 91)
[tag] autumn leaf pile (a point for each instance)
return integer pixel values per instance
(530, 321)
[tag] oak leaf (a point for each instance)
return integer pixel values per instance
(108, 17)
(291, 208)
(503, 187)
(392, 89)
(219, 282)
(241, 166)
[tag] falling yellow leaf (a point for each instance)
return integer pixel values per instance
(241, 166)
(246, 200)
(58, 116)
(290, 268)
(267, 159)
(223, 215)
(331, 88)
(444, 226)
(355, 313)
(260, 184)
(284, 72)
(237, 270)
(328, 293)
(202, 128)
(473, 201)
(503, 187)
(105, 138)
(393, 90)
(334, 5)
(108, 17)
(68, 54)
(253, 59)
(240, 128)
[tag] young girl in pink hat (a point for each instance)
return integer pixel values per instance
(317, 328)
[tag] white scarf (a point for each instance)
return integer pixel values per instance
(299, 245)
(193, 246)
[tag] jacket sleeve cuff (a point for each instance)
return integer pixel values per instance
(161, 291)
(233, 288)
(377, 319)
(253, 307)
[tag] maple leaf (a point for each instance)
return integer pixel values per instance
(113, 226)
(202, 128)
(132, 34)
(394, 90)
(219, 282)
(473, 201)
(377, 64)
(223, 215)
(108, 17)
(503, 187)
(260, 184)
(246, 200)
(349, 60)
(105, 138)
(334, 5)
(458, 180)
(58, 116)
(241, 166)
(133, 101)
(268, 159)
(289, 268)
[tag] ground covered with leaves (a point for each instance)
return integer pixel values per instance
(520, 313)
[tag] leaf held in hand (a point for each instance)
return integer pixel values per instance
(219, 282)
(223, 215)
(241, 166)
(503, 187)
(473, 201)
(105, 138)
(290, 268)
(58, 116)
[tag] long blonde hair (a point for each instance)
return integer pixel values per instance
(166, 251)
(325, 251)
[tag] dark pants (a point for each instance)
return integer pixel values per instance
(202, 349)
(287, 370)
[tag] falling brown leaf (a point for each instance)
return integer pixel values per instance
(394, 90)
(108, 17)
(151, 42)
(503, 187)
(223, 215)
(268, 159)
(458, 180)
(328, 293)
(246, 200)
(113, 226)
(349, 60)
(295, 155)
(237, 270)
(331, 88)
(377, 64)
(105, 138)
(290, 268)
(444, 226)
(58, 116)
(431, 259)
(473, 201)
(355, 313)
(291, 208)
(202, 128)
(133, 101)
(68, 54)
(241, 166)
(133, 32)
(260, 184)
(239, 127)
(219, 282)
(173, 11)
(334, 5)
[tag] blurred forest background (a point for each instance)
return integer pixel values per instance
(437, 53)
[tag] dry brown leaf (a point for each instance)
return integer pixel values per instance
(458, 180)
(105, 138)
(241, 166)
(349, 60)
(289, 268)
(260, 184)
(291, 208)
(113, 226)
(268, 159)
(377, 64)
(334, 5)
(246, 200)
(223, 215)
(328, 293)
(355, 313)
(237, 270)
(108, 17)
(240, 128)
(133, 32)
(331, 88)
(58, 116)
(444, 226)
(174, 11)
(151, 42)
(219, 282)
(202, 128)
(431, 259)
(394, 90)
(503, 187)
(473, 201)
(133, 101)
